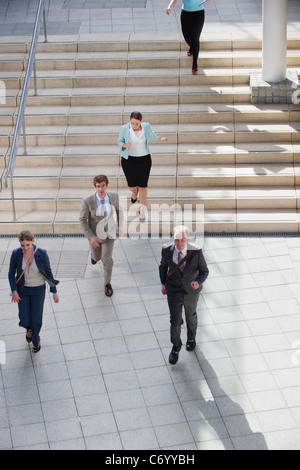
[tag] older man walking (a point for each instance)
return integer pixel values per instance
(183, 271)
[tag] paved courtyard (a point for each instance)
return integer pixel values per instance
(102, 378)
(133, 16)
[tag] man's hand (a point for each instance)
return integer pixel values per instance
(163, 289)
(95, 241)
(195, 285)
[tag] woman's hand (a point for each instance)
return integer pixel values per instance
(126, 146)
(56, 298)
(163, 139)
(15, 298)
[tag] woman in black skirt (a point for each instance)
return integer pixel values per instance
(192, 22)
(136, 157)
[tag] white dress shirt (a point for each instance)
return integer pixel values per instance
(104, 206)
(175, 255)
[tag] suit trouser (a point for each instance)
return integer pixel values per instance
(31, 311)
(104, 253)
(177, 301)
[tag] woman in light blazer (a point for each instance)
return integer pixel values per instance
(136, 160)
(28, 270)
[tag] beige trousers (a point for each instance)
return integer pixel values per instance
(104, 253)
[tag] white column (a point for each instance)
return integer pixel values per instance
(274, 40)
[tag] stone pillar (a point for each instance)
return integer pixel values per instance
(274, 40)
(274, 84)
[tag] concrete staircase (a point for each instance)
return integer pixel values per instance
(241, 161)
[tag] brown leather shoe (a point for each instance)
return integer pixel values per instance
(108, 290)
(93, 261)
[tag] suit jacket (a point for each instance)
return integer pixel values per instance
(195, 270)
(124, 138)
(89, 218)
(43, 265)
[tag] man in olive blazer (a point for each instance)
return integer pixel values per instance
(101, 220)
(182, 287)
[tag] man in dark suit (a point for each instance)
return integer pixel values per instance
(101, 220)
(182, 285)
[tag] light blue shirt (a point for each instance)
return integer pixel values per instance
(192, 5)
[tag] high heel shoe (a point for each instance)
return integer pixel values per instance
(36, 349)
(142, 219)
(189, 53)
(133, 201)
(194, 71)
(29, 338)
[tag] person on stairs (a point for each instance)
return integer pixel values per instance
(192, 22)
(136, 159)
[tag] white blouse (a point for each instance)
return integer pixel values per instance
(138, 143)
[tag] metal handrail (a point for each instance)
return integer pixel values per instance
(20, 123)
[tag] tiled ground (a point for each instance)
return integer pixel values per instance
(102, 379)
(132, 16)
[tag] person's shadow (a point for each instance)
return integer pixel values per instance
(240, 438)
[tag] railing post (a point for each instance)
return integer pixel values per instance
(45, 26)
(13, 199)
(24, 138)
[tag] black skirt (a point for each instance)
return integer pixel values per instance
(137, 170)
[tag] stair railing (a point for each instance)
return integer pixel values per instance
(20, 123)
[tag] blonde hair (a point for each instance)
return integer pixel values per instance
(181, 229)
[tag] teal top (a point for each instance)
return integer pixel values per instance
(192, 5)
(124, 138)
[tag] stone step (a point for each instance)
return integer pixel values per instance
(137, 96)
(192, 154)
(138, 59)
(215, 221)
(171, 113)
(133, 77)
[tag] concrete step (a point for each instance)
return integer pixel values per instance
(240, 161)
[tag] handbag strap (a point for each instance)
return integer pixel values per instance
(27, 264)
(178, 266)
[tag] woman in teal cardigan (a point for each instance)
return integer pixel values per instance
(136, 159)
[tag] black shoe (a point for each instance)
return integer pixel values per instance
(190, 345)
(108, 290)
(174, 355)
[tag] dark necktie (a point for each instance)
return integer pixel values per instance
(180, 257)
(103, 212)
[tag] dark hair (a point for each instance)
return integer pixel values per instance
(26, 235)
(100, 179)
(136, 115)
